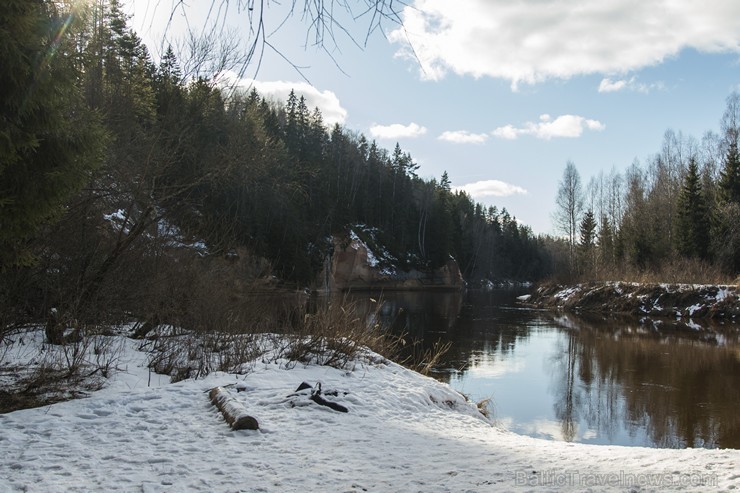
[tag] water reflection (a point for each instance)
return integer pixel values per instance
(579, 379)
(681, 389)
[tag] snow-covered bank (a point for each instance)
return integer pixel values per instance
(681, 301)
(402, 432)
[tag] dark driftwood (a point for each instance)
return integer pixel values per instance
(316, 397)
(333, 405)
(234, 412)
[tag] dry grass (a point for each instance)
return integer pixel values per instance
(217, 340)
(485, 407)
(336, 335)
(677, 271)
(424, 360)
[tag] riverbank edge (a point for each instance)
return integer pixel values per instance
(145, 416)
(676, 301)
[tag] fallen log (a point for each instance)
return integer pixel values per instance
(234, 412)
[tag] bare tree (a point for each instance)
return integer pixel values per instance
(730, 123)
(615, 206)
(569, 206)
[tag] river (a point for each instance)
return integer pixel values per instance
(564, 377)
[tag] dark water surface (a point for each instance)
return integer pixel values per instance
(564, 377)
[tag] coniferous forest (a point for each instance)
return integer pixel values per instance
(121, 176)
(132, 185)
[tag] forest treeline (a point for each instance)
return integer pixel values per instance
(675, 218)
(129, 187)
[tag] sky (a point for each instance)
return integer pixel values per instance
(499, 94)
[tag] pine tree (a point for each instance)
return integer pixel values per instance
(693, 220)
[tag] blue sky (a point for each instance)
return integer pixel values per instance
(500, 94)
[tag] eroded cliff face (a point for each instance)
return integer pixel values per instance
(353, 265)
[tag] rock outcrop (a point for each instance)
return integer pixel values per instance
(354, 266)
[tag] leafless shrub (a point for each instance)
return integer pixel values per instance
(335, 335)
(87, 354)
(186, 354)
(62, 371)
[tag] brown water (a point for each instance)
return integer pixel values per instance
(569, 378)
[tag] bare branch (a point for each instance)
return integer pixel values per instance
(323, 19)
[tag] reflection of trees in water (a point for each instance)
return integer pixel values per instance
(472, 321)
(680, 390)
(582, 391)
(611, 376)
(488, 331)
(416, 313)
(568, 397)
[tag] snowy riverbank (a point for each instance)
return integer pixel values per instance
(678, 301)
(402, 432)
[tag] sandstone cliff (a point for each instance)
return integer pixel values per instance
(353, 265)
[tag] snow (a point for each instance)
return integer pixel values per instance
(175, 239)
(565, 294)
(402, 432)
(357, 243)
(380, 258)
(119, 220)
(693, 325)
(723, 293)
(118, 215)
(694, 308)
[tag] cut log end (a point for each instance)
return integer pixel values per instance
(245, 423)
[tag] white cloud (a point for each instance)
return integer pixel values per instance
(547, 128)
(463, 137)
(327, 101)
(608, 85)
(397, 131)
(534, 40)
(491, 188)
(507, 132)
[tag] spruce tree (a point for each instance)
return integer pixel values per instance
(588, 230)
(693, 220)
(729, 182)
(49, 140)
(587, 244)
(725, 231)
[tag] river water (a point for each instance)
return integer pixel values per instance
(563, 377)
